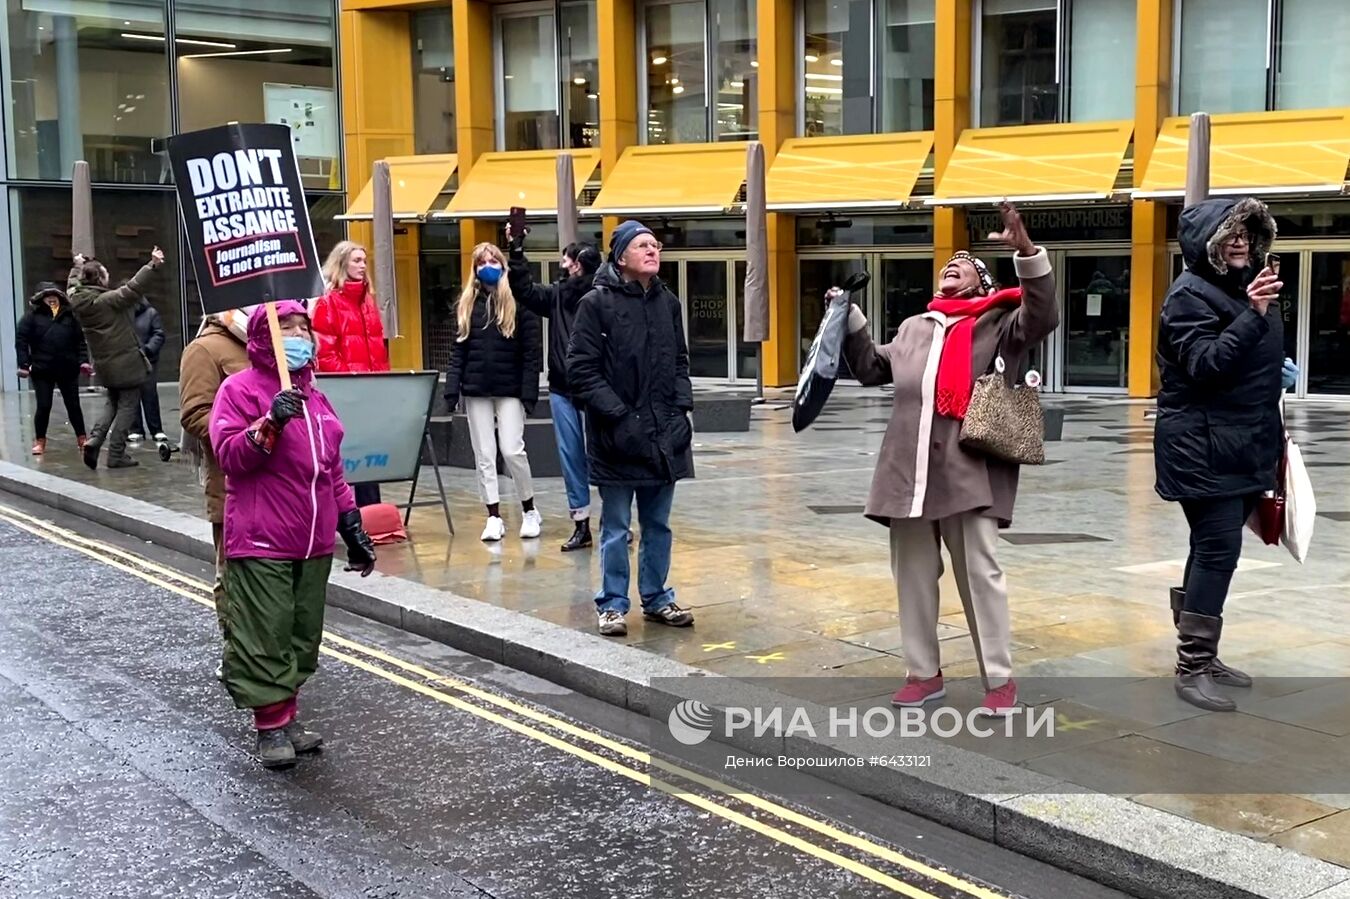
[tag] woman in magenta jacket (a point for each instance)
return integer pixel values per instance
(285, 498)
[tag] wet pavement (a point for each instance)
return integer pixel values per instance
(126, 772)
(788, 580)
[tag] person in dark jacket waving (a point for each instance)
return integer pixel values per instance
(51, 353)
(105, 316)
(629, 365)
(558, 303)
(1219, 437)
(150, 332)
(494, 365)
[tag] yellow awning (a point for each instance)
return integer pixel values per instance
(415, 182)
(1073, 161)
(499, 181)
(854, 172)
(681, 178)
(1262, 152)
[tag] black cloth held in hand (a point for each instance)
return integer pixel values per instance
(360, 548)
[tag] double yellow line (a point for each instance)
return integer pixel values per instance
(452, 692)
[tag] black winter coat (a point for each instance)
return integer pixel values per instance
(629, 365)
(1219, 432)
(149, 330)
(489, 363)
(556, 302)
(50, 346)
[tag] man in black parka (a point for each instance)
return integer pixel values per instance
(1219, 436)
(629, 365)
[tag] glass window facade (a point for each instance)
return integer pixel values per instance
(1312, 59)
(837, 67)
(1046, 61)
(905, 64)
(1215, 33)
(529, 71)
(261, 61)
(111, 70)
(677, 72)
(579, 69)
(433, 52)
(735, 69)
(548, 63)
(105, 68)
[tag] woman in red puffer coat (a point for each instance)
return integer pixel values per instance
(347, 327)
(346, 319)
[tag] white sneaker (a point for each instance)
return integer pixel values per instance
(495, 530)
(531, 525)
(161, 437)
(135, 437)
(612, 624)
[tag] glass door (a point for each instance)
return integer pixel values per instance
(747, 354)
(1096, 326)
(815, 277)
(1328, 363)
(707, 302)
(906, 290)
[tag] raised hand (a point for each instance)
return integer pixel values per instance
(1265, 288)
(156, 257)
(286, 405)
(1014, 234)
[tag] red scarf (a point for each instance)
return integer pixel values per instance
(956, 376)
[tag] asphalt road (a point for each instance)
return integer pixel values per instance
(125, 770)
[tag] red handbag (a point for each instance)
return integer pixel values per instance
(1267, 520)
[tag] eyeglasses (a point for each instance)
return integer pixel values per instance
(1239, 237)
(647, 245)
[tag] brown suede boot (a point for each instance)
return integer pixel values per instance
(1223, 674)
(1198, 641)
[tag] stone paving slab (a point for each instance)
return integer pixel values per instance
(751, 555)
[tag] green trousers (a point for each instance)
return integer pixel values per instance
(273, 620)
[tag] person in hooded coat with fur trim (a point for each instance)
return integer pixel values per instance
(1219, 437)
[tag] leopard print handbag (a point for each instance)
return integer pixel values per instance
(1004, 421)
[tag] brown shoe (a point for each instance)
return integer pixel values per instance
(39, 446)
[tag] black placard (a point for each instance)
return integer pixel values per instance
(244, 211)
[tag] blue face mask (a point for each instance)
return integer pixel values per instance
(489, 275)
(299, 352)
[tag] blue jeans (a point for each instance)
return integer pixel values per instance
(571, 436)
(616, 515)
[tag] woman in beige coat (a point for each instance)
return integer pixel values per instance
(927, 488)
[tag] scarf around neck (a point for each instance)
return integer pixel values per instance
(956, 376)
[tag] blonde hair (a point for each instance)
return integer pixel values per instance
(335, 266)
(501, 299)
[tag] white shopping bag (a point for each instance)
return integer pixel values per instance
(1300, 504)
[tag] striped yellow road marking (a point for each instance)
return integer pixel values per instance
(165, 578)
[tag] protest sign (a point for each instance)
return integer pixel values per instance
(245, 215)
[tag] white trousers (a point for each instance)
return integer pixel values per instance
(491, 418)
(916, 562)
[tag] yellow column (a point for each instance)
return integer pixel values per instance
(775, 23)
(620, 69)
(376, 70)
(1149, 275)
(951, 116)
(475, 107)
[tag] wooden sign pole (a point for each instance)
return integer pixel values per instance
(278, 346)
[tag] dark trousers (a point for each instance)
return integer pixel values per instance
(116, 419)
(44, 386)
(1216, 546)
(148, 420)
(366, 494)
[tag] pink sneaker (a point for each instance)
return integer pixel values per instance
(1000, 701)
(918, 690)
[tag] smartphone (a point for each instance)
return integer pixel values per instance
(1273, 263)
(517, 221)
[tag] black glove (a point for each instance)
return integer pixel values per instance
(286, 405)
(360, 548)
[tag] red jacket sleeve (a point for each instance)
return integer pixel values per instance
(328, 335)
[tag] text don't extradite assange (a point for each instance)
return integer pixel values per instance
(241, 194)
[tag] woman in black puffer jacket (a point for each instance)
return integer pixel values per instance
(1219, 437)
(494, 366)
(51, 352)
